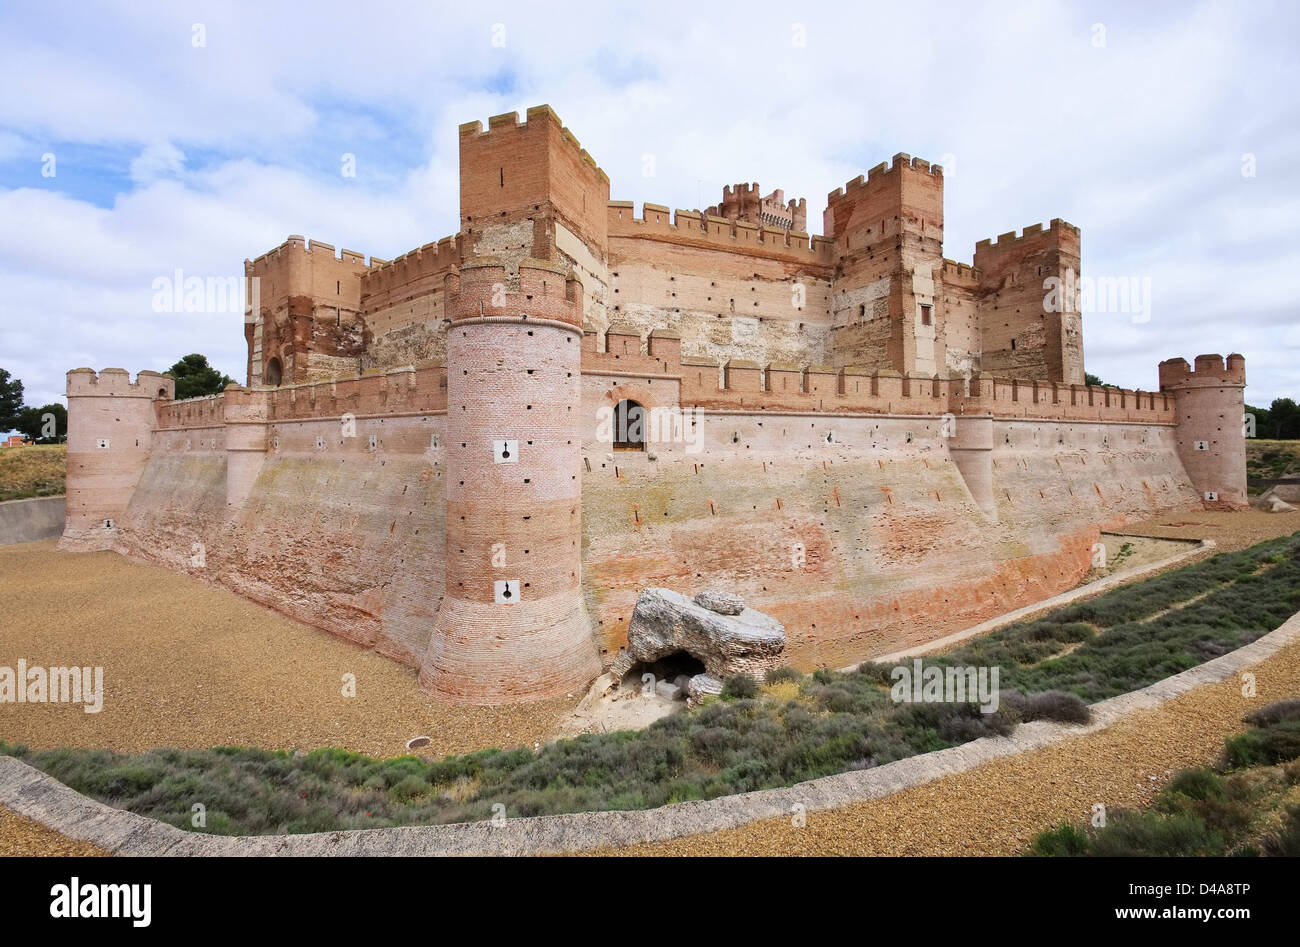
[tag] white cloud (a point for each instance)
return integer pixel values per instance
(159, 159)
(237, 144)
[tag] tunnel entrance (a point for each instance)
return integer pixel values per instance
(671, 667)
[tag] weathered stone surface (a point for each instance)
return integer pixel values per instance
(667, 690)
(702, 685)
(721, 601)
(622, 664)
(665, 622)
(1271, 501)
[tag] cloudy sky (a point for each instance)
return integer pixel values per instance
(137, 139)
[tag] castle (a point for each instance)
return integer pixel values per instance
(473, 457)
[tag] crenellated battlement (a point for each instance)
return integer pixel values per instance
(1057, 229)
(782, 386)
(1210, 370)
(407, 389)
(482, 288)
(882, 171)
(508, 123)
(657, 222)
(116, 383)
(432, 259)
(960, 272)
(203, 411)
(296, 243)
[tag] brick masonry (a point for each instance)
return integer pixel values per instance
(844, 433)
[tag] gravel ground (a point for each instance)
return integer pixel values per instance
(20, 836)
(1232, 531)
(997, 808)
(190, 665)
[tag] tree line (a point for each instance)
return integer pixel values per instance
(48, 424)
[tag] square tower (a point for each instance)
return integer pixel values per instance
(888, 233)
(1020, 337)
(529, 190)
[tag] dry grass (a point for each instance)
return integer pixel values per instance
(36, 471)
(782, 690)
(1267, 458)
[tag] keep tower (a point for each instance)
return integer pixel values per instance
(512, 624)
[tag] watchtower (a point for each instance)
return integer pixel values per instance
(1211, 439)
(110, 434)
(512, 624)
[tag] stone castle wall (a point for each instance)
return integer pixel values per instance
(861, 522)
(868, 441)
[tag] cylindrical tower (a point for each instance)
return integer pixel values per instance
(512, 625)
(110, 434)
(1211, 439)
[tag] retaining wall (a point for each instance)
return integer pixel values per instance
(25, 521)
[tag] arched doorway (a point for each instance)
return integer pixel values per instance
(629, 426)
(274, 373)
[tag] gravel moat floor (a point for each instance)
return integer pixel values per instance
(21, 837)
(190, 665)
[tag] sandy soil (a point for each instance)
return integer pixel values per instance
(1231, 531)
(1142, 551)
(189, 665)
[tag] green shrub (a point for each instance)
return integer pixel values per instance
(408, 788)
(1284, 843)
(740, 685)
(1048, 705)
(1198, 783)
(1278, 743)
(783, 673)
(1061, 841)
(1275, 712)
(1131, 834)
